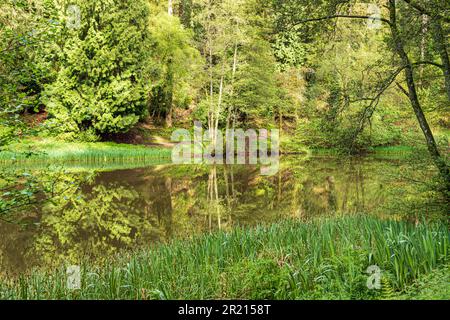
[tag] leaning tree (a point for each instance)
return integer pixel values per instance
(400, 17)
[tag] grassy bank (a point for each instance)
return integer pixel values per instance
(322, 259)
(50, 150)
(389, 150)
(434, 285)
(396, 150)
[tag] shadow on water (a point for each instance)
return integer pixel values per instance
(131, 208)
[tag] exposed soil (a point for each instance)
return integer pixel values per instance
(144, 134)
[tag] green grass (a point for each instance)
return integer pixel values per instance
(327, 152)
(432, 286)
(388, 150)
(398, 150)
(50, 150)
(321, 259)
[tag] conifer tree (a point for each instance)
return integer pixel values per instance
(100, 86)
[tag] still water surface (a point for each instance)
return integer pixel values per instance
(97, 214)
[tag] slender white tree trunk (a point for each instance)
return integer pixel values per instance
(423, 44)
(211, 75)
(170, 8)
(211, 95)
(218, 110)
(233, 76)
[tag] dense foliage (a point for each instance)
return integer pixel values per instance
(99, 85)
(94, 69)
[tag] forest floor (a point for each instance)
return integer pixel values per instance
(147, 135)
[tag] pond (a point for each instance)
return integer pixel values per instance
(93, 214)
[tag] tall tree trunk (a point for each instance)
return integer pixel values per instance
(211, 91)
(413, 97)
(211, 73)
(170, 8)
(217, 111)
(442, 48)
(423, 45)
(233, 76)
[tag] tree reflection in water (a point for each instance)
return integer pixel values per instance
(126, 209)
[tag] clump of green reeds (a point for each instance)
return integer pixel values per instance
(83, 153)
(288, 260)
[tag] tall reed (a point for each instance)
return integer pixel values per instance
(84, 153)
(288, 260)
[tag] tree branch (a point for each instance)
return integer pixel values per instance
(336, 16)
(370, 109)
(419, 63)
(422, 10)
(403, 90)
